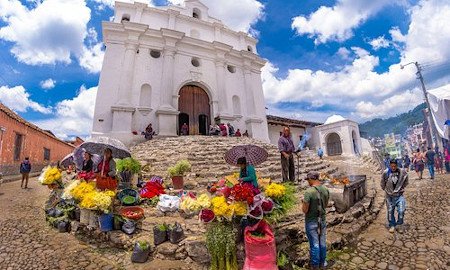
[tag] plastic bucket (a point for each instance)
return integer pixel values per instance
(106, 222)
(178, 182)
(85, 215)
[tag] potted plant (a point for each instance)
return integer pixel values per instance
(177, 172)
(127, 167)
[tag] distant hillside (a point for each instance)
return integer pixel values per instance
(397, 124)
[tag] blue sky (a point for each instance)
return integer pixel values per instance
(324, 57)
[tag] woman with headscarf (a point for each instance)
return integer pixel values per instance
(247, 173)
(107, 167)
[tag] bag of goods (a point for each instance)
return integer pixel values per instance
(160, 234)
(176, 233)
(63, 226)
(129, 227)
(141, 252)
(260, 249)
(168, 203)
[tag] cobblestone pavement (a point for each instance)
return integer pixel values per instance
(425, 244)
(27, 242)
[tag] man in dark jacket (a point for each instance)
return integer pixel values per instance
(25, 169)
(394, 181)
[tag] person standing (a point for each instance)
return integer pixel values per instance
(320, 152)
(314, 206)
(184, 129)
(287, 148)
(419, 164)
(429, 155)
(439, 162)
(25, 169)
(447, 159)
(406, 162)
(394, 181)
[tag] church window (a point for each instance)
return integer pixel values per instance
(196, 13)
(155, 54)
(195, 62)
(146, 96)
(231, 69)
(126, 17)
(249, 48)
(236, 105)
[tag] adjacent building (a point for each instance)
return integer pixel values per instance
(174, 65)
(20, 139)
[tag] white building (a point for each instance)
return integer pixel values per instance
(173, 65)
(338, 136)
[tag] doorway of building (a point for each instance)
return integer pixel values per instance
(182, 118)
(193, 105)
(334, 146)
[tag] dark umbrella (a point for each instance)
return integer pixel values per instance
(255, 155)
(67, 160)
(97, 145)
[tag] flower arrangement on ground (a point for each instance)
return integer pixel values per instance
(283, 196)
(50, 175)
(189, 204)
(98, 200)
(82, 189)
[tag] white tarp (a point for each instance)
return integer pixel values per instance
(440, 106)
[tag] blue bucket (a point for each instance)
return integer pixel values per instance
(106, 222)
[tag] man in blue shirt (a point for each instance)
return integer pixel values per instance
(429, 155)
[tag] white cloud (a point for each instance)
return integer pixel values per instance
(397, 103)
(49, 33)
(379, 42)
(18, 100)
(337, 23)
(344, 53)
(92, 58)
(239, 15)
(73, 116)
(358, 88)
(48, 84)
(110, 3)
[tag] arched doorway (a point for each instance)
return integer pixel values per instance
(193, 104)
(334, 146)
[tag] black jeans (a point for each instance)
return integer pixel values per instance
(288, 168)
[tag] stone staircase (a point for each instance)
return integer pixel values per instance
(206, 156)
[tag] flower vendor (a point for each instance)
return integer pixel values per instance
(247, 173)
(107, 167)
(88, 164)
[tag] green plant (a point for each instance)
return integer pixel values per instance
(282, 259)
(128, 164)
(143, 245)
(221, 243)
(180, 168)
(162, 227)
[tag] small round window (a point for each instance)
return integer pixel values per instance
(155, 54)
(231, 69)
(195, 62)
(249, 48)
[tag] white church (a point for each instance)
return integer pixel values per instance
(176, 64)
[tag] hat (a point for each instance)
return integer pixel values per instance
(393, 161)
(312, 176)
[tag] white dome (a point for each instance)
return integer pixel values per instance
(334, 118)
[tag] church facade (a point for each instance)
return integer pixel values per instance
(174, 65)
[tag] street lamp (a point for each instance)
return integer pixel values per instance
(430, 118)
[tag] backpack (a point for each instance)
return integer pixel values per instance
(25, 167)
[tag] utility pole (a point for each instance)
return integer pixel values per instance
(429, 116)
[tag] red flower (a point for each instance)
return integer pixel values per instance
(267, 206)
(256, 212)
(207, 215)
(243, 193)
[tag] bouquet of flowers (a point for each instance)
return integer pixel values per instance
(50, 175)
(206, 215)
(67, 194)
(242, 193)
(275, 191)
(82, 189)
(221, 208)
(97, 200)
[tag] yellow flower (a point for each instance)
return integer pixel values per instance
(204, 201)
(96, 200)
(221, 208)
(233, 178)
(239, 208)
(110, 193)
(68, 190)
(275, 191)
(50, 175)
(263, 182)
(82, 189)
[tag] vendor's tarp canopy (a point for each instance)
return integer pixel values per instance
(440, 106)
